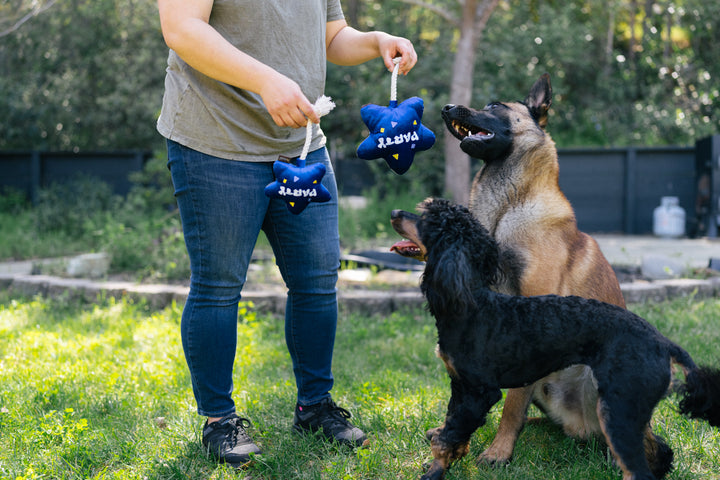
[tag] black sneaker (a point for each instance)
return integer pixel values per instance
(331, 420)
(227, 440)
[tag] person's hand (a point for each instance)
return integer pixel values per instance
(287, 104)
(392, 47)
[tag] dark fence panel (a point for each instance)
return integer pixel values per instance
(616, 190)
(29, 171)
(20, 170)
(594, 183)
(611, 190)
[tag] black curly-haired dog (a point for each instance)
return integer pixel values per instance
(490, 341)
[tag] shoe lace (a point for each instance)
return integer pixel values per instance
(336, 416)
(238, 433)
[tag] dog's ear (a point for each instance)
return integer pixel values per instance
(539, 100)
(487, 256)
(447, 281)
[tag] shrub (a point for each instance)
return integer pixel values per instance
(364, 226)
(74, 206)
(142, 232)
(13, 200)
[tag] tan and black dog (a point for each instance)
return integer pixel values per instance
(516, 196)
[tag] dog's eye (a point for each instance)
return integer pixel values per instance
(492, 105)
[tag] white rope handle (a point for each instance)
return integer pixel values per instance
(308, 138)
(323, 105)
(393, 82)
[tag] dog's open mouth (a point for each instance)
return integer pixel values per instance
(406, 248)
(405, 224)
(462, 131)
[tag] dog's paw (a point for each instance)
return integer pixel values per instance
(432, 433)
(433, 471)
(493, 458)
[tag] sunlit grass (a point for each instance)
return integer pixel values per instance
(102, 392)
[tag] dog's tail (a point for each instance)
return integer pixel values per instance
(700, 395)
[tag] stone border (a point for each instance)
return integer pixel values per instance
(660, 290)
(365, 301)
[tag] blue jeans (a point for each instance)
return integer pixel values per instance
(223, 207)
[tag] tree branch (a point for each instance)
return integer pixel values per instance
(455, 21)
(485, 9)
(33, 13)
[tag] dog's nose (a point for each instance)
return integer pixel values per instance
(448, 107)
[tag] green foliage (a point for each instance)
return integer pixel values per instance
(102, 391)
(689, 320)
(89, 73)
(13, 201)
(86, 74)
(661, 90)
(152, 186)
(353, 87)
(72, 207)
(363, 226)
(19, 239)
(150, 248)
(142, 232)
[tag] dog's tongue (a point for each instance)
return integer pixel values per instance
(402, 246)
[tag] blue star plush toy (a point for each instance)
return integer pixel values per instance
(396, 131)
(299, 184)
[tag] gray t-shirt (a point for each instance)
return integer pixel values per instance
(218, 119)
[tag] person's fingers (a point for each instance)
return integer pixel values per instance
(402, 48)
(287, 104)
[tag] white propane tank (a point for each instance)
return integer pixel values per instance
(669, 218)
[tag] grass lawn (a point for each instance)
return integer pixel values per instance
(102, 391)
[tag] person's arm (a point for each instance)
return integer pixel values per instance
(186, 30)
(347, 46)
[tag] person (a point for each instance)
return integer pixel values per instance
(240, 82)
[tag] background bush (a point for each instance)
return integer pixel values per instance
(142, 231)
(74, 207)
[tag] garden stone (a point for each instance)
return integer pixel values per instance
(641, 292)
(683, 287)
(660, 267)
(89, 265)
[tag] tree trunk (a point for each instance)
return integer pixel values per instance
(631, 47)
(352, 12)
(457, 164)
